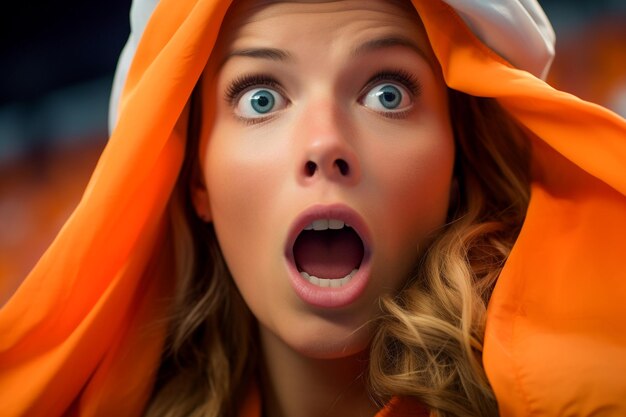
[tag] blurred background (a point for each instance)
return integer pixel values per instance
(57, 62)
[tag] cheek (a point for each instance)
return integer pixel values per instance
(414, 179)
(241, 172)
(245, 177)
(423, 179)
(420, 187)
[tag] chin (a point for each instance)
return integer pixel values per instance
(328, 340)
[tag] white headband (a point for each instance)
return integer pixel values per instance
(518, 30)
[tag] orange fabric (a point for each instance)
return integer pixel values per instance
(397, 407)
(403, 407)
(251, 405)
(82, 334)
(556, 334)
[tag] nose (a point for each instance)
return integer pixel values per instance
(327, 147)
(328, 158)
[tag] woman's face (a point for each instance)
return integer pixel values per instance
(330, 115)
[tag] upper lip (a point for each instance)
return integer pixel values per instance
(332, 211)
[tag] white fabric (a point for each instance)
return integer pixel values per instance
(517, 30)
(140, 13)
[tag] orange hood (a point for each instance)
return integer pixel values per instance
(79, 336)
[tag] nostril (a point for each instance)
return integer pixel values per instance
(343, 166)
(310, 168)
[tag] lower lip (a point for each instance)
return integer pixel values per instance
(328, 297)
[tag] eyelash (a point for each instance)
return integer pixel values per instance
(240, 85)
(243, 83)
(402, 77)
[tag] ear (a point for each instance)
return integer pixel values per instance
(200, 198)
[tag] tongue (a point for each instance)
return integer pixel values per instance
(329, 253)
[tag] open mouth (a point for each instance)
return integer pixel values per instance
(328, 253)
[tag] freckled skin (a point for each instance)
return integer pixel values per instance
(400, 168)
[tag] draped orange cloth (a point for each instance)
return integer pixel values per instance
(82, 336)
(397, 407)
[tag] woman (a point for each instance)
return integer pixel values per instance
(299, 102)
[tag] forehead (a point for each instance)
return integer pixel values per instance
(271, 22)
(269, 8)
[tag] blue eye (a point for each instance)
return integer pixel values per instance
(259, 102)
(262, 101)
(387, 97)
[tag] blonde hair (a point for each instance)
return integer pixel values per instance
(210, 348)
(428, 340)
(430, 336)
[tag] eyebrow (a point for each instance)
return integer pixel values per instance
(280, 55)
(388, 42)
(272, 54)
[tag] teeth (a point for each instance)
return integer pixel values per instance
(335, 224)
(325, 224)
(321, 224)
(332, 283)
